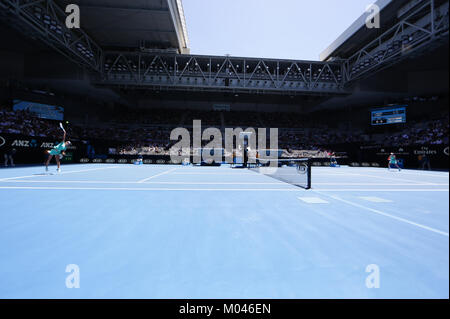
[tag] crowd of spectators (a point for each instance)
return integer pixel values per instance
(24, 123)
(295, 135)
(314, 137)
(434, 132)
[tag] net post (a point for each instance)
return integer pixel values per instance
(309, 173)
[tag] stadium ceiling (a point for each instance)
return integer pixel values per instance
(358, 35)
(124, 24)
(123, 44)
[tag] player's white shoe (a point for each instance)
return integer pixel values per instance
(58, 170)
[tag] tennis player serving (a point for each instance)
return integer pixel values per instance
(58, 151)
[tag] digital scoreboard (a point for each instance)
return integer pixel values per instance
(389, 115)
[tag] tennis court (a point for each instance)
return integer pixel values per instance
(162, 231)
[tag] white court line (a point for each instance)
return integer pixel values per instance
(382, 184)
(387, 215)
(216, 183)
(228, 174)
(383, 189)
(322, 171)
(157, 175)
(328, 174)
(313, 200)
(62, 173)
(147, 183)
(444, 174)
(386, 178)
(375, 199)
(297, 189)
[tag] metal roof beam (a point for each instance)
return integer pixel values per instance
(149, 10)
(422, 29)
(46, 21)
(218, 73)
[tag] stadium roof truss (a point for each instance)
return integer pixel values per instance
(425, 27)
(212, 73)
(43, 20)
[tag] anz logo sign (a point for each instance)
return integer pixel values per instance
(22, 143)
(27, 143)
(47, 145)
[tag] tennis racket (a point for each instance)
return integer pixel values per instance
(62, 127)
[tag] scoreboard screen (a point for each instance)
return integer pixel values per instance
(391, 115)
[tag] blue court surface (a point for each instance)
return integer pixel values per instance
(216, 232)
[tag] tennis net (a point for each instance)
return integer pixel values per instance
(295, 171)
